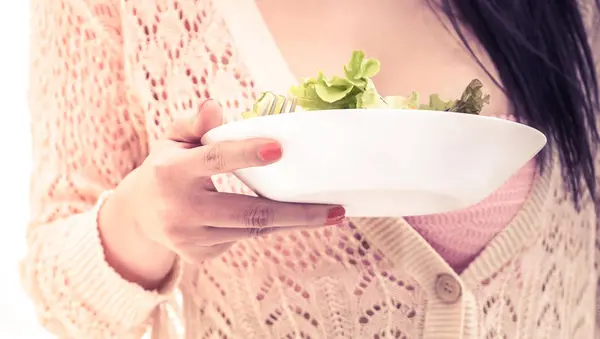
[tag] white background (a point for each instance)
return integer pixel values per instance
(17, 317)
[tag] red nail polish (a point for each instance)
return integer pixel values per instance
(270, 152)
(335, 215)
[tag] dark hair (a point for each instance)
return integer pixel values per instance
(546, 67)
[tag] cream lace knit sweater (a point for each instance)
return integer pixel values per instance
(109, 75)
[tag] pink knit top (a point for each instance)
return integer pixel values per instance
(460, 236)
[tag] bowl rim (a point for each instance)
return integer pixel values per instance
(371, 111)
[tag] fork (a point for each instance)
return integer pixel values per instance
(288, 105)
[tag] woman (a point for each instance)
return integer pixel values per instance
(124, 211)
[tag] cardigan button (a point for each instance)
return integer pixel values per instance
(447, 288)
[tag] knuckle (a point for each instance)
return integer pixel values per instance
(258, 216)
(254, 232)
(214, 159)
(258, 232)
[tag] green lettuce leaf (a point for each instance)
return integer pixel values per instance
(472, 100)
(357, 90)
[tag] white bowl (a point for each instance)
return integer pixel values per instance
(385, 163)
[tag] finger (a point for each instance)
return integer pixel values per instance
(209, 185)
(210, 236)
(199, 254)
(242, 211)
(190, 127)
(228, 156)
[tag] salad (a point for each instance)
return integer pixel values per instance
(357, 90)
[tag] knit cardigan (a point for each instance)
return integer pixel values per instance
(108, 77)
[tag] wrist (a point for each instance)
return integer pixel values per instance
(133, 255)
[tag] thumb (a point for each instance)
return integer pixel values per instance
(190, 127)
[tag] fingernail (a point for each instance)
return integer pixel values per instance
(270, 152)
(335, 215)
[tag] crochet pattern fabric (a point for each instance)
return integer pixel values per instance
(109, 76)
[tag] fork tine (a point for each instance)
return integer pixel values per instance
(263, 108)
(267, 108)
(293, 104)
(272, 104)
(284, 103)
